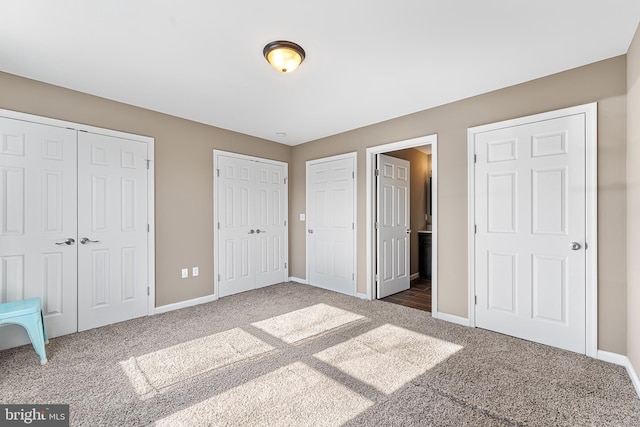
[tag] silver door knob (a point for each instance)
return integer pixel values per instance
(68, 242)
(252, 231)
(86, 240)
(408, 231)
(260, 231)
(574, 246)
(310, 231)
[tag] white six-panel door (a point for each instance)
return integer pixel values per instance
(530, 242)
(251, 223)
(112, 230)
(58, 187)
(37, 220)
(393, 225)
(331, 224)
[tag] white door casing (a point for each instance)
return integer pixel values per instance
(37, 214)
(251, 222)
(112, 230)
(393, 224)
(530, 208)
(331, 223)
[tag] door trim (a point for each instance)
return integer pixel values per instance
(150, 141)
(216, 154)
(354, 156)
(590, 112)
(371, 209)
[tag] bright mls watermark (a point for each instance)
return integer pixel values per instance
(34, 415)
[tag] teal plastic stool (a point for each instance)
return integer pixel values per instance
(28, 314)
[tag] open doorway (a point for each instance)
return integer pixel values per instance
(420, 155)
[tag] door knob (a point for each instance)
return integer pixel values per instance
(260, 231)
(86, 240)
(310, 231)
(574, 246)
(408, 231)
(68, 242)
(252, 231)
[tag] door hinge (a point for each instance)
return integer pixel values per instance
(148, 228)
(475, 158)
(353, 225)
(217, 172)
(353, 175)
(353, 276)
(475, 229)
(218, 226)
(475, 299)
(377, 172)
(377, 278)
(148, 291)
(219, 278)
(285, 180)
(285, 222)
(377, 225)
(285, 265)
(148, 161)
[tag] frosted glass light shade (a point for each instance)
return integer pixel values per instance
(284, 56)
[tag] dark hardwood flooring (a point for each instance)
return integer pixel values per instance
(417, 296)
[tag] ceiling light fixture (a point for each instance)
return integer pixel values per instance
(284, 56)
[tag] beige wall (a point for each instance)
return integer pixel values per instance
(418, 181)
(603, 82)
(183, 167)
(633, 202)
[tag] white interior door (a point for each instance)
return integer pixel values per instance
(112, 230)
(331, 224)
(37, 216)
(530, 242)
(393, 225)
(251, 208)
(270, 222)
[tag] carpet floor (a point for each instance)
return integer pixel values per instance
(295, 355)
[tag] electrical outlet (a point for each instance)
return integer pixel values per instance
(185, 273)
(195, 272)
(302, 217)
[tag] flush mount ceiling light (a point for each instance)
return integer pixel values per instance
(284, 56)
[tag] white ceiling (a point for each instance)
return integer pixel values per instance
(367, 60)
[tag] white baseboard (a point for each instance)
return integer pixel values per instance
(298, 280)
(184, 304)
(414, 276)
(451, 318)
(621, 360)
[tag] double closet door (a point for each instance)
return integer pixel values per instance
(251, 206)
(73, 228)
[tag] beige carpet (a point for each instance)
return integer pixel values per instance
(296, 355)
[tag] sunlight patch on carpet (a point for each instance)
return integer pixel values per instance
(307, 322)
(295, 395)
(152, 372)
(388, 357)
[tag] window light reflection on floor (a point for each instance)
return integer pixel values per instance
(388, 357)
(307, 322)
(294, 395)
(152, 372)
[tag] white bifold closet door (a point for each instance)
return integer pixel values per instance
(251, 205)
(73, 227)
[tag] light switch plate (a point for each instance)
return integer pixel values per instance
(302, 217)
(185, 273)
(195, 271)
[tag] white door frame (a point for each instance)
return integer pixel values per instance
(217, 153)
(371, 209)
(591, 116)
(354, 156)
(151, 246)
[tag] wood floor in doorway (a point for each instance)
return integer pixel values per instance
(417, 296)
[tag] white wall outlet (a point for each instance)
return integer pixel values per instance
(185, 273)
(195, 271)
(302, 217)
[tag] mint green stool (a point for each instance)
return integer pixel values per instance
(28, 314)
